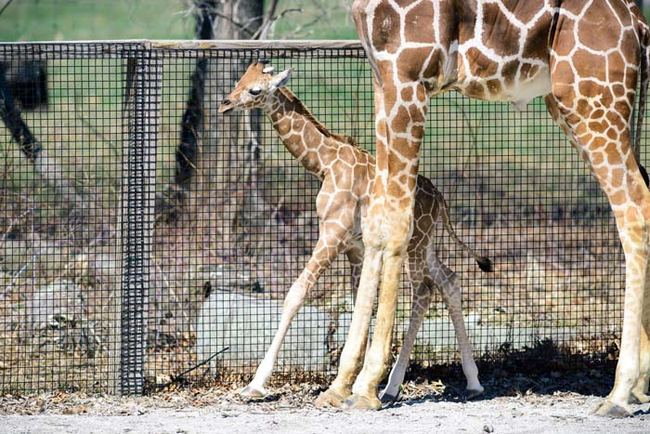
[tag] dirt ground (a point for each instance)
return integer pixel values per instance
(424, 408)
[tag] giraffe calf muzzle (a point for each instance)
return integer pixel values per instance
(226, 106)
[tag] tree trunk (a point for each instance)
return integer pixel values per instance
(228, 161)
(29, 90)
(170, 205)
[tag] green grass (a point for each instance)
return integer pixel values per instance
(34, 20)
(322, 19)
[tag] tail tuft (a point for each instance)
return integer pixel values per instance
(485, 264)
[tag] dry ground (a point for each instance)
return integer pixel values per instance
(429, 410)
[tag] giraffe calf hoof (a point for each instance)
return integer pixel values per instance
(360, 402)
(388, 398)
(609, 409)
(252, 392)
(473, 393)
(639, 398)
(329, 398)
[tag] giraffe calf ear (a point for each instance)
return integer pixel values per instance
(281, 79)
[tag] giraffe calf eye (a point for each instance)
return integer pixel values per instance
(254, 91)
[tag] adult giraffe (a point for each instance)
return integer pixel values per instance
(584, 56)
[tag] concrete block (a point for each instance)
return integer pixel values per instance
(247, 325)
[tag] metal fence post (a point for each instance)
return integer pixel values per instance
(138, 197)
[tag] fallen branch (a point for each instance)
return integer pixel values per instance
(179, 377)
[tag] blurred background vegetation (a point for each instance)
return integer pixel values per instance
(46, 20)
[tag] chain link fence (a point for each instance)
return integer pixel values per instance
(142, 234)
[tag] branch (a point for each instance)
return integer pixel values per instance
(237, 24)
(5, 6)
(270, 11)
(241, 26)
(179, 377)
(298, 29)
(268, 21)
(262, 32)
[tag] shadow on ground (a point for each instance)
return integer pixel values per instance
(544, 369)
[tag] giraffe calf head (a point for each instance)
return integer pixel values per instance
(254, 88)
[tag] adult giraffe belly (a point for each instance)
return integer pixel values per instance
(503, 55)
(518, 82)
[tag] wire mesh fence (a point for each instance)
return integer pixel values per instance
(142, 232)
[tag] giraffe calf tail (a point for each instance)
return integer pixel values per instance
(484, 263)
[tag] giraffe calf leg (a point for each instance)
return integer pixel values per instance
(445, 279)
(292, 303)
(451, 296)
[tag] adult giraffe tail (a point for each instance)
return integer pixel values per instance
(484, 263)
(644, 37)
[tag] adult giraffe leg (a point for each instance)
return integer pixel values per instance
(612, 162)
(416, 269)
(328, 247)
(640, 390)
(365, 387)
(355, 346)
(391, 218)
(634, 237)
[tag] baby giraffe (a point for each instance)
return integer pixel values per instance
(347, 173)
